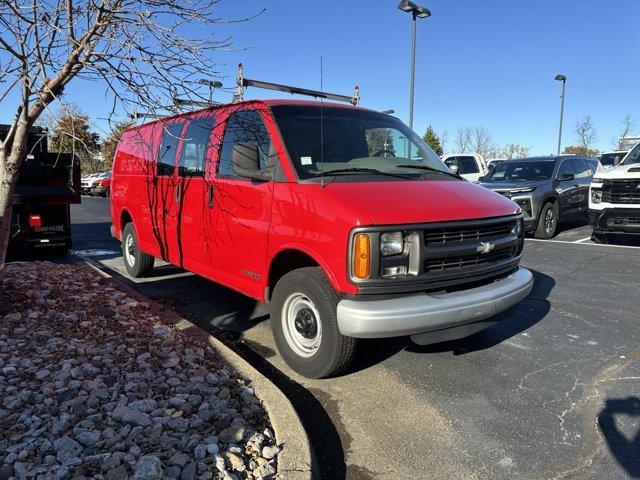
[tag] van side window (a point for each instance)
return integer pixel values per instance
(194, 147)
(167, 152)
(245, 126)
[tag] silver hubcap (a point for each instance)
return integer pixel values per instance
(130, 251)
(301, 325)
(549, 221)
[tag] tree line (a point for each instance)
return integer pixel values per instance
(479, 139)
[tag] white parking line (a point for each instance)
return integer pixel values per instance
(574, 243)
(582, 240)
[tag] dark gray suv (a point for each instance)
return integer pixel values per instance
(548, 189)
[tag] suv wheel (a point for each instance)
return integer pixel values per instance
(547, 222)
(305, 326)
(137, 263)
(603, 238)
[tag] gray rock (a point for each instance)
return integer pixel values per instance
(88, 438)
(179, 459)
(6, 471)
(231, 435)
(67, 450)
(148, 467)
(172, 472)
(109, 463)
(200, 451)
(42, 374)
(207, 415)
(264, 471)
(117, 473)
(271, 452)
(125, 414)
(189, 472)
(212, 448)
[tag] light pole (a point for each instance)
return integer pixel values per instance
(563, 79)
(416, 12)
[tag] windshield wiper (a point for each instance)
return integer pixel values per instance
(431, 169)
(375, 171)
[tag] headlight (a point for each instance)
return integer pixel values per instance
(596, 195)
(597, 180)
(518, 227)
(518, 191)
(391, 243)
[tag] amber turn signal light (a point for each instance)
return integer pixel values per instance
(361, 256)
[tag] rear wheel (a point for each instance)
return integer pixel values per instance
(547, 221)
(107, 193)
(137, 263)
(604, 238)
(305, 326)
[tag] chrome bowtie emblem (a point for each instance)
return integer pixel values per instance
(485, 247)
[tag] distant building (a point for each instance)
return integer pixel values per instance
(627, 143)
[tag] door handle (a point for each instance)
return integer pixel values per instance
(210, 196)
(178, 188)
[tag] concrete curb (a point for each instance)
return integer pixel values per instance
(296, 461)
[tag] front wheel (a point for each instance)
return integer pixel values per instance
(137, 263)
(305, 326)
(547, 222)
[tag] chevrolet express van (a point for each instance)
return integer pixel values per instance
(340, 217)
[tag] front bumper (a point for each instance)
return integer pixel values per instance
(615, 220)
(446, 316)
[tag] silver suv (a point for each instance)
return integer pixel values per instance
(549, 190)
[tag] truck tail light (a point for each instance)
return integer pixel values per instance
(361, 256)
(35, 221)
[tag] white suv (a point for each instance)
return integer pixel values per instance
(614, 200)
(470, 166)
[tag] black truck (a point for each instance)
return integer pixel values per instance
(48, 184)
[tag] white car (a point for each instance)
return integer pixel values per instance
(470, 166)
(614, 199)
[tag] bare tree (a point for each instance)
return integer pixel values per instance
(628, 123)
(586, 133)
(482, 140)
(510, 150)
(144, 52)
(476, 139)
(463, 139)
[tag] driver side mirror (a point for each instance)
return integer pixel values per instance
(454, 168)
(245, 161)
(566, 177)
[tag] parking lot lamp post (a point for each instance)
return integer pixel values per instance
(563, 79)
(416, 12)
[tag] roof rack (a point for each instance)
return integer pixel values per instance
(243, 82)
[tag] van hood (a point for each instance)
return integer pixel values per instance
(390, 203)
(621, 171)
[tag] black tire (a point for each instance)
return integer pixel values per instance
(107, 193)
(334, 351)
(603, 238)
(137, 263)
(547, 221)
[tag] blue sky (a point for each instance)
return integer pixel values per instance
(488, 63)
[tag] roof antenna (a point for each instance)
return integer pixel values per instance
(321, 130)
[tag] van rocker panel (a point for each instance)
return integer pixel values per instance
(409, 315)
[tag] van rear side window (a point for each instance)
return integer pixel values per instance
(168, 147)
(194, 148)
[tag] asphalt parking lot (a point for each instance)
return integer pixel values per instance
(551, 392)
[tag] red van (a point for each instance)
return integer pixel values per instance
(339, 216)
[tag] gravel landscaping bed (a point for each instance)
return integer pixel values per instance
(94, 385)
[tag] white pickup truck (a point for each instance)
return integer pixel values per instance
(470, 166)
(614, 200)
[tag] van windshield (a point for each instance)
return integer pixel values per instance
(632, 157)
(353, 141)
